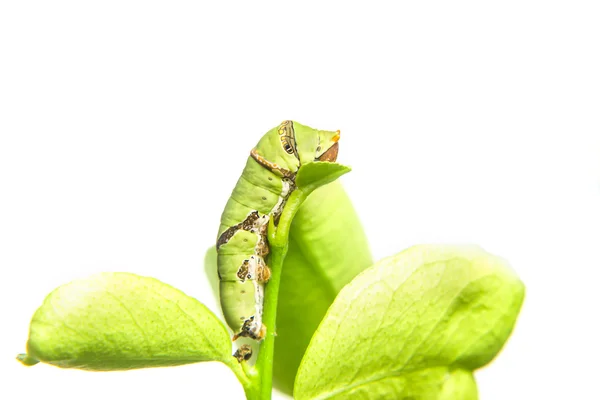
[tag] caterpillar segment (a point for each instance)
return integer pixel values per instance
(260, 195)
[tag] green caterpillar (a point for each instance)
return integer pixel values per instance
(259, 195)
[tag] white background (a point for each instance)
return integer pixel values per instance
(124, 127)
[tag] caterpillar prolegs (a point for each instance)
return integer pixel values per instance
(260, 195)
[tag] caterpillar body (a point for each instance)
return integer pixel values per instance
(259, 196)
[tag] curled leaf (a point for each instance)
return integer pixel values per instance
(313, 175)
(327, 249)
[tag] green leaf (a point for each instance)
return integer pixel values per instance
(313, 175)
(413, 326)
(327, 249)
(115, 321)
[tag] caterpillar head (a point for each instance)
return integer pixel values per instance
(315, 145)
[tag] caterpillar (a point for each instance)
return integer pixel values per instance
(260, 194)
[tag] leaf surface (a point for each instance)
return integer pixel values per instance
(413, 326)
(115, 321)
(327, 249)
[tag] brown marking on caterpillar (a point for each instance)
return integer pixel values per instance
(249, 329)
(262, 246)
(243, 271)
(270, 165)
(244, 353)
(331, 153)
(259, 272)
(263, 273)
(228, 234)
(252, 221)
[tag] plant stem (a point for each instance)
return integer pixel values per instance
(241, 373)
(262, 379)
(264, 362)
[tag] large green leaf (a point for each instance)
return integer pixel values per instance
(115, 321)
(327, 249)
(413, 326)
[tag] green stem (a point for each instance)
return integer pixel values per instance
(241, 373)
(262, 379)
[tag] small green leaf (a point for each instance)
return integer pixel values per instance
(115, 321)
(413, 326)
(312, 175)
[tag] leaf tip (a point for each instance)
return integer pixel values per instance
(315, 174)
(27, 360)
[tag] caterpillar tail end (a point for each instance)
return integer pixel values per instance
(244, 353)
